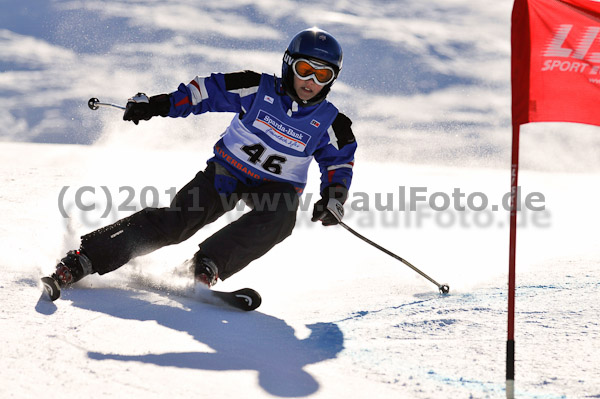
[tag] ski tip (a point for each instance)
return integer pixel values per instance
(51, 288)
(251, 297)
(245, 299)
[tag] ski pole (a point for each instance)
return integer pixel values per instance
(94, 104)
(444, 288)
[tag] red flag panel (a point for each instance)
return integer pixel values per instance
(556, 61)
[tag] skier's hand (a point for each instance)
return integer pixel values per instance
(140, 107)
(330, 208)
(329, 213)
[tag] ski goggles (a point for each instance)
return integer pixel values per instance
(320, 74)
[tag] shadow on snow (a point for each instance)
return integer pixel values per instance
(241, 340)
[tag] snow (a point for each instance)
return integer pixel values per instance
(427, 86)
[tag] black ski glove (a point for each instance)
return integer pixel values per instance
(140, 107)
(330, 208)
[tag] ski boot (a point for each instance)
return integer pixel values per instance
(205, 270)
(69, 270)
(72, 268)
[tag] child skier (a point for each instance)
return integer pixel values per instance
(280, 125)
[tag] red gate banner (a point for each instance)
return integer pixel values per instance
(556, 61)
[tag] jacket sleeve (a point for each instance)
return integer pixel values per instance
(335, 154)
(219, 92)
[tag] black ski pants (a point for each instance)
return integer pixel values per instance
(232, 248)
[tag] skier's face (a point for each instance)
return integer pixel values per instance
(306, 89)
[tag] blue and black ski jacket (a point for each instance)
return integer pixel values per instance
(271, 138)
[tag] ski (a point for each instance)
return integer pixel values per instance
(244, 299)
(51, 287)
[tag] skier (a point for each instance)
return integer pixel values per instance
(280, 125)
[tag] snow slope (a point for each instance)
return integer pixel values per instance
(426, 84)
(333, 323)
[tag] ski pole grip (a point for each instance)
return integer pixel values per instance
(336, 208)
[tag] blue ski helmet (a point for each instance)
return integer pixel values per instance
(315, 44)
